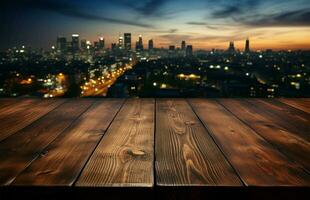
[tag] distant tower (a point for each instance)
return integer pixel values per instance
(171, 47)
(231, 47)
(189, 50)
(120, 42)
(75, 43)
(96, 45)
(127, 41)
(62, 44)
(101, 43)
(139, 44)
(247, 46)
(151, 44)
(113, 46)
(83, 45)
(183, 45)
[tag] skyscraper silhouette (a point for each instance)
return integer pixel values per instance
(127, 41)
(247, 45)
(62, 44)
(75, 43)
(101, 43)
(183, 45)
(231, 47)
(139, 44)
(151, 44)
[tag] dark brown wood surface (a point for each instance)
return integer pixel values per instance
(286, 141)
(301, 104)
(63, 160)
(256, 161)
(20, 149)
(10, 106)
(145, 143)
(124, 156)
(13, 120)
(285, 116)
(7, 102)
(185, 153)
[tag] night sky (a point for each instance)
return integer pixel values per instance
(206, 24)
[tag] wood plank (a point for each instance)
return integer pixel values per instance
(300, 104)
(6, 102)
(15, 121)
(256, 161)
(20, 149)
(287, 142)
(186, 155)
(124, 156)
(280, 114)
(63, 160)
(16, 107)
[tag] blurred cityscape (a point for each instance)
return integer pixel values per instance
(77, 67)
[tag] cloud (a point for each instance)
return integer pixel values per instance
(228, 9)
(197, 23)
(145, 7)
(152, 6)
(175, 38)
(258, 13)
(174, 30)
(289, 18)
(71, 10)
(163, 31)
(227, 12)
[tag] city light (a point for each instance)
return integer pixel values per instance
(163, 86)
(81, 67)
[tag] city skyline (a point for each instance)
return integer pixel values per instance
(203, 24)
(126, 42)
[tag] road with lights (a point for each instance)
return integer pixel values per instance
(100, 86)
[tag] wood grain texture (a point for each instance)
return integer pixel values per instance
(285, 116)
(124, 157)
(301, 104)
(16, 107)
(20, 149)
(287, 142)
(186, 155)
(62, 161)
(6, 102)
(255, 160)
(20, 116)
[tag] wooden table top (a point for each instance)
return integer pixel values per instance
(154, 142)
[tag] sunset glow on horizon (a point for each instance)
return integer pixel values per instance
(203, 24)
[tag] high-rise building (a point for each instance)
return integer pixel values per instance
(151, 44)
(61, 44)
(247, 46)
(183, 45)
(231, 47)
(96, 45)
(83, 45)
(113, 46)
(75, 43)
(120, 42)
(139, 44)
(189, 50)
(171, 47)
(141, 41)
(101, 43)
(127, 41)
